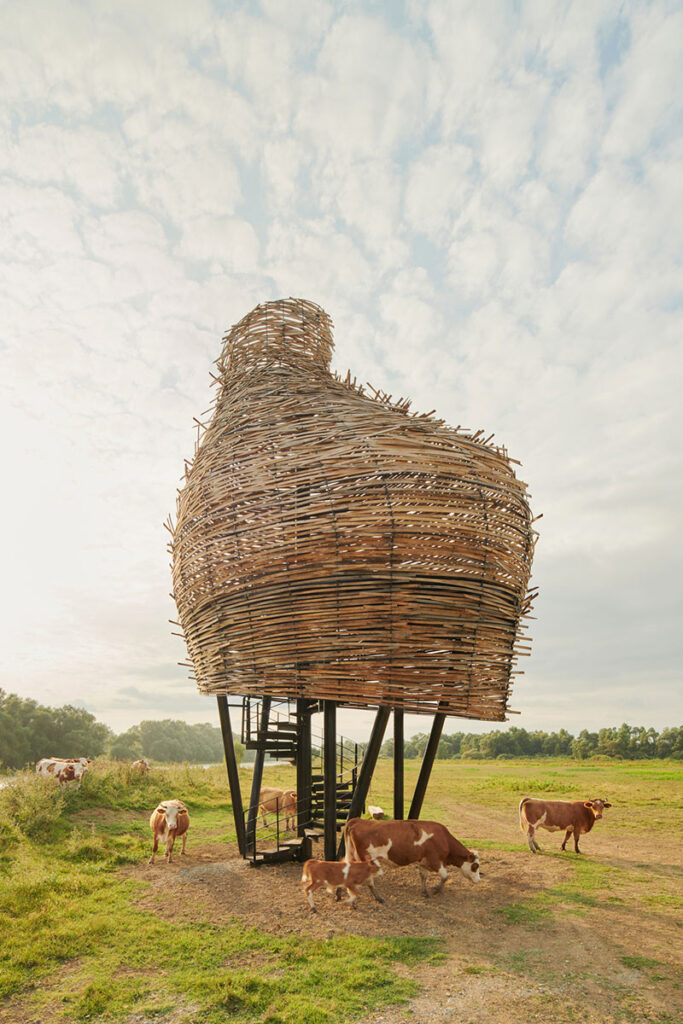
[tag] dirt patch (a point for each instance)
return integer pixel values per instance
(593, 963)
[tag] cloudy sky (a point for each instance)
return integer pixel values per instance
(485, 197)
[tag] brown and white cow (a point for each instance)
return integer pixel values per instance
(169, 822)
(63, 769)
(577, 816)
(141, 766)
(426, 843)
(337, 875)
(279, 802)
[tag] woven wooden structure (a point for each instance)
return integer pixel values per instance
(329, 544)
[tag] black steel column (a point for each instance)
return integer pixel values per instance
(258, 771)
(330, 777)
(303, 769)
(398, 763)
(367, 768)
(427, 762)
(233, 774)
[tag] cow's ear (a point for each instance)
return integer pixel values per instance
(472, 857)
(605, 804)
(588, 803)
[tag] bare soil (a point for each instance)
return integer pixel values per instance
(618, 960)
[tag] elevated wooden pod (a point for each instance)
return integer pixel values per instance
(329, 544)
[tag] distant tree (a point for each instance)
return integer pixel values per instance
(670, 743)
(29, 731)
(127, 746)
(387, 748)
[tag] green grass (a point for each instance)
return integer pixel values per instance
(588, 885)
(529, 914)
(102, 957)
(640, 963)
(523, 961)
(78, 946)
(129, 958)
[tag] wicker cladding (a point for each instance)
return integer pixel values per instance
(330, 545)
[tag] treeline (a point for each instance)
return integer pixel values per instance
(626, 741)
(171, 740)
(29, 731)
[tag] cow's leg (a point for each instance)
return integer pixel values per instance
(169, 845)
(443, 876)
(533, 845)
(576, 840)
(371, 883)
(309, 892)
(423, 879)
(353, 895)
(184, 841)
(156, 847)
(567, 835)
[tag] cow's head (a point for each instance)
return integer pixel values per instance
(597, 807)
(171, 811)
(470, 867)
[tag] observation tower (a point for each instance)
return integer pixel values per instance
(332, 549)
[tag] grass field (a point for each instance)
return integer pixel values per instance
(91, 933)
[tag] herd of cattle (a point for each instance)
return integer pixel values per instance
(369, 844)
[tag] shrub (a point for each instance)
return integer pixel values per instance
(33, 805)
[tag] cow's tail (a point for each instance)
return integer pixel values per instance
(523, 823)
(350, 849)
(305, 877)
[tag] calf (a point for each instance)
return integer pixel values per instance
(339, 875)
(425, 843)
(575, 816)
(169, 821)
(279, 801)
(141, 766)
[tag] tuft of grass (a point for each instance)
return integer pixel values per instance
(522, 961)
(531, 915)
(640, 963)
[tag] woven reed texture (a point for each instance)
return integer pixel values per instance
(330, 544)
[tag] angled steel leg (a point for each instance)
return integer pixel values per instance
(233, 775)
(258, 775)
(427, 762)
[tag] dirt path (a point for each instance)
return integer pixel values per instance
(600, 962)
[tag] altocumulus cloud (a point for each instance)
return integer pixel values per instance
(486, 199)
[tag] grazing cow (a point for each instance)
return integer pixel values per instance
(63, 769)
(338, 875)
(425, 843)
(141, 766)
(169, 822)
(575, 816)
(278, 801)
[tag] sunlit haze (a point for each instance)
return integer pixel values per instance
(485, 197)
